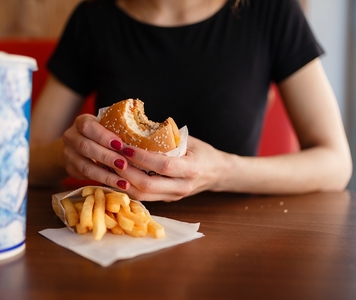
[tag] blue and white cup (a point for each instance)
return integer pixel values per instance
(15, 109)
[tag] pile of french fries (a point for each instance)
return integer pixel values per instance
(113, 212)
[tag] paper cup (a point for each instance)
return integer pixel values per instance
(15, 108)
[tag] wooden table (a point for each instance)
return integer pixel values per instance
(285, 247)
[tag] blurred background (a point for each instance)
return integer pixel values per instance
(333, 22)
(43, 18)
(34, 18)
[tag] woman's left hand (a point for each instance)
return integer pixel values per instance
(179, 176)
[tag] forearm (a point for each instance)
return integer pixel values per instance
(323, 164)
(315, 169)
(46, 164)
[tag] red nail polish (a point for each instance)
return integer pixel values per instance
(119, 163)
(129, 152)
(121, 184)
(116, 145)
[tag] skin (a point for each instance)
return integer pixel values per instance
(69, 147)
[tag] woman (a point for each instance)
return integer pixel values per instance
(209, 67)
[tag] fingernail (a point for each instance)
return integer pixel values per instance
(119, 163)
(121, 184)
(116, 145)
(129, 152)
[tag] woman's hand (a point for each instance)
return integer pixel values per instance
(88, 147)
(179, 177)
(93, 152)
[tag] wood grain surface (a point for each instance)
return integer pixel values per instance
(283, 247)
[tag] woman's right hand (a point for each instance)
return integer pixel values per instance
(90, 151)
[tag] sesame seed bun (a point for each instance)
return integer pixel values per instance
(127, 119)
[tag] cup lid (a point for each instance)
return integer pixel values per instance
(7, 59)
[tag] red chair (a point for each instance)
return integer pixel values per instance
(278, 135)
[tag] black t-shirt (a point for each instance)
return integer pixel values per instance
(212, 76)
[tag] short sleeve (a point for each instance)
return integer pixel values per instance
(293, 42)
(71, 62)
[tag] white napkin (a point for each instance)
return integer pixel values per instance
(113, 247)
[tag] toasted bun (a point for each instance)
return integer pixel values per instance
(127, 119)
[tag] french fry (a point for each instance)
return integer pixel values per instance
(88, 190)
(71, 213)
(99, 228)
(81, 229)
(86, 215)
(115, 200)
(155, 229)
(140, 218)
(137, 231)
(124, 222)
(117, 230)
(136, 208)
(78, 207)
(112, 205)
(111, 214)
(110, 222)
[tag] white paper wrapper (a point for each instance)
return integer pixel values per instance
(75, 196)
(116, 247)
